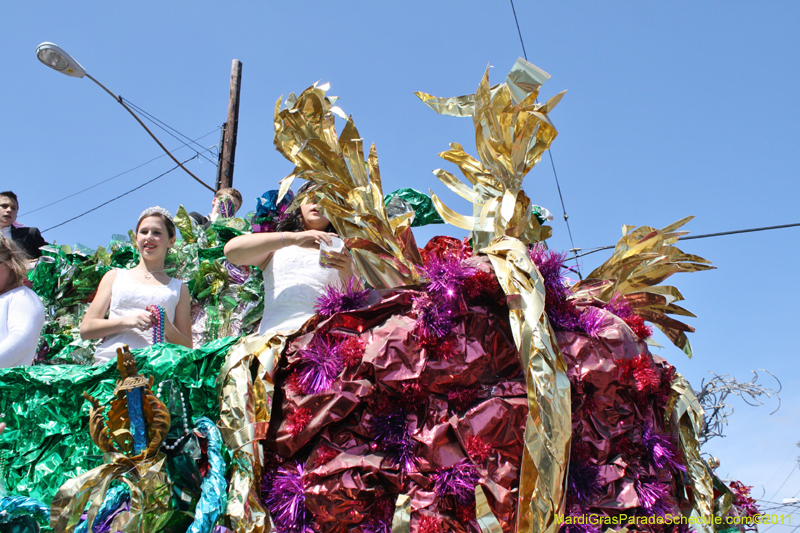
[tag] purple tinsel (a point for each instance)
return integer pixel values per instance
(619, 306)
(446, 277)
(654, 498)
(339, 298)
(662, 448)
(286, 500)
(550, 264)
(391, 432)
(591, 321)
(379, 519)
(584, 482)
(458, 481)
(236, 275)
(322, 363)
(433, 321)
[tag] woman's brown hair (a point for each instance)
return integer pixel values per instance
(13, 257)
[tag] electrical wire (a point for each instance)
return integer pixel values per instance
(164, 126)
(718, 234)
(574, 250)
(117, 176)
(120, 196)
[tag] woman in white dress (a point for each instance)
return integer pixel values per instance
(126, 295)
(289, 260)
(21, 311)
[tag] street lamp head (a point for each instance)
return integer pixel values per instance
(57, 59)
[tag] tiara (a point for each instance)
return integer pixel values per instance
(153, 210)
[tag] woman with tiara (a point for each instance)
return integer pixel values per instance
(143, 305)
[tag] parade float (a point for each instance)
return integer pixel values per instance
(467, 386)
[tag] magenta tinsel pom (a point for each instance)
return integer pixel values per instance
(297, 421)
(461, 398)
(391, 432)
(583, 482)
(286, 500)
(458, 481)
(662, 449)
(654, 498)
(591, 321)
(478, 449)
(550, 265)
(429, 524)
(321, 364)
(619, 306)
(338, 298)
(742, 498)
(446, 277)
(433, 320)
(379, 519)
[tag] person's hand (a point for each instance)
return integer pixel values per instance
(142, 321)
(343, 262)
(310, 238)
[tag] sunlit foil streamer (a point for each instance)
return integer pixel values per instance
(212, 501)
(643, 258)
(245, 401)
(512, 131)
(542, 488)
(486, 519)
(149, 488)
(347, 187)
(686, 414)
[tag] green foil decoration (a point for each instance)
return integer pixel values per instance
(47, 438)
(424, 212)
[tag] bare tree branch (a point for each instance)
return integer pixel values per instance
(714, 393)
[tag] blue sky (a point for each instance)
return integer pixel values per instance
(673, 109)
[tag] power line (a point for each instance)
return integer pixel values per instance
(734, 232)
(518, 32)
(166, 127)
(115, 177)
(552, 163)
(120, 196)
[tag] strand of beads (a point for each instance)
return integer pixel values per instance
(179, 440)
(158, 323)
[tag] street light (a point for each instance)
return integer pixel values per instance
(57, 59)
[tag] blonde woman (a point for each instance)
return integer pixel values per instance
(21, 311)
(128, 295)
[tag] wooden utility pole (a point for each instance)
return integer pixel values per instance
(228, 149)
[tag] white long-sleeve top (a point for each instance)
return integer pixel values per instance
(21, 321)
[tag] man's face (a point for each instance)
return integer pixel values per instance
(8, 211)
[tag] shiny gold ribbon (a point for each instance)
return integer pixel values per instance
(548, 430)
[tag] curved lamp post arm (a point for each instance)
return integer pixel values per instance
(57, 59)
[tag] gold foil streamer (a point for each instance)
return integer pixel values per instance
(147, 481)
(245, 400)
(686, 415)
(643, 258)
(401, 521)
(483, 512)
(545, 458)
(512, 131)
(347, 188)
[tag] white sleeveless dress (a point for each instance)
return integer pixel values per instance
(293, 280)
(131, 297)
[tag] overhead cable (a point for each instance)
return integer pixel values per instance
(115, 177)
(120, 196)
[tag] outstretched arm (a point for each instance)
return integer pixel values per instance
(257, 248)
(180, 331)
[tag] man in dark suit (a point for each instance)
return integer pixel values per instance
(29, 239)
